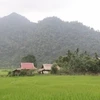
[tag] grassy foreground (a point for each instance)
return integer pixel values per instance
(50, 88)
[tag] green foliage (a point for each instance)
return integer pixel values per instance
(79, 63)
(54, 69)
(26, 72)
(29, 58)
(23, 72)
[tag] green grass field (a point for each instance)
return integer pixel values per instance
(3, 72)
(50, 88)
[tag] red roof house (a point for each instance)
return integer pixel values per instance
(27, 66)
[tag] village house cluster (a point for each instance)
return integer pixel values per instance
(45, 68)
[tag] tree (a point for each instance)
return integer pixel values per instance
(54, 69)
(29, 58)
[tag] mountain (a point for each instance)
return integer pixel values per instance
(47, 39)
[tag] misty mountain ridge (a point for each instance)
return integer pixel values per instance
(13, 17)
(47, 39)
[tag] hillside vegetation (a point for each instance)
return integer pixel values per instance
(47, 40)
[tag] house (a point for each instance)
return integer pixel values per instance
(46, 68)
(24, 66)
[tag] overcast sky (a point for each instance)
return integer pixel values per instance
(85, 11)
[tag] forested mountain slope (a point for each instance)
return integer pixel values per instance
(47, 39)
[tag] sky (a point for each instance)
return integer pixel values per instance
(85, 11)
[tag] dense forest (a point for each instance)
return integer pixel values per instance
(46, 40)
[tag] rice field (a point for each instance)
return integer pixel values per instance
(4, 72)
(50, 88)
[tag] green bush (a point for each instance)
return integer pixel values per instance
(23, 72)
(54, 69)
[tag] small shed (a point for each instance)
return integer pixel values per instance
(46, 68)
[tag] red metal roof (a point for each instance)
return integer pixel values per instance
(27, 66)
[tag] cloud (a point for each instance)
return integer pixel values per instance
(33, 5)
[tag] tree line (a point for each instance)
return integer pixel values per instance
(79, 63)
